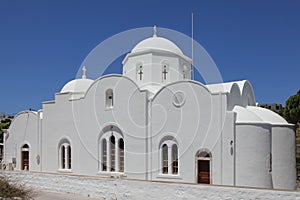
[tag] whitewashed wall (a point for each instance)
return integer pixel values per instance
(23, 131)
(81, 122)
(196, 126)
(112, 189)
(283, 143)
(253, 155)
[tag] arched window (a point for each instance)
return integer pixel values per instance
(104, 155)
(204, 154)
(112, 153)
(111, 150)
(174, 159)
(65, 153)
(169, 156)
(109, 98)
(165, 159)
(121, 155)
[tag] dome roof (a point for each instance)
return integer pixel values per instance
(157, 43)
(244, 115)
(77, 85)
(268, 115)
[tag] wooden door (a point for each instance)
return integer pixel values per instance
(25, 160)
(204, 171)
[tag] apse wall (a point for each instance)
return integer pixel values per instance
(283, 157)
(253, 149)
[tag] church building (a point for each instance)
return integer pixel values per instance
(153, 122)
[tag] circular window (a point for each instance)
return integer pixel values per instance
(178, 99)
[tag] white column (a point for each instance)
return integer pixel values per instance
(117, 154)
(169, 160)
(66, 157)
(108, 155)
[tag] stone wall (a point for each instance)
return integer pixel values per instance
(298, 141)
(112, 189)
(298, 154)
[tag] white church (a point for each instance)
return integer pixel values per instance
(153, 122)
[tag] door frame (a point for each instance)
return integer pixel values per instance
(25, 149)
(199, 157)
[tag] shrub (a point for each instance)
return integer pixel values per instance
(10, 189)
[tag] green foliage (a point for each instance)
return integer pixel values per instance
(292, 109)
(10, 189)
(6, 120)
(4, 125)
(298, 167)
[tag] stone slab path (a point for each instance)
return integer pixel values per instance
(51, 195)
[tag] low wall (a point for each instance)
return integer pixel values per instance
(108, 188)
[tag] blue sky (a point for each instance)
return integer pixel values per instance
(42, 43)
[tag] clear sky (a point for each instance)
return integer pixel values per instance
(42, 43)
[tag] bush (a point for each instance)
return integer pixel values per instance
(291, 111)
(10, 189)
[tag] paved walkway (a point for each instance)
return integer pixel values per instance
(51, 195)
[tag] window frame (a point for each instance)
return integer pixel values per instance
(116, 165)
(174, 160)
(65, 156)
(170, 173)
(164, 159)
(109, 98)
(121, 155)
(104, 155)
(25, 166)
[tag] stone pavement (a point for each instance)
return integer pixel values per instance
(51, 195)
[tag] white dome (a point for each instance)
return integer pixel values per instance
(244, 115)
(157, 43)
(77, 85)
(268, 115)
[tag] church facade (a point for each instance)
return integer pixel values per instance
(154, 122)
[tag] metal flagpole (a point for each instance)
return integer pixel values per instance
(192, 67)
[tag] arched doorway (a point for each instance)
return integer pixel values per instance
(25, 157)
(203, 167)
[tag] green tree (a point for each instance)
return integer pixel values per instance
(6, 120)
(4, 124)
(292, 109)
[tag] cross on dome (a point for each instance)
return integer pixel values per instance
(83, 72)
(154, 31)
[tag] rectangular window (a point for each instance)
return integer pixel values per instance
(174, 159)
(104, 156)
(69, 156)
(112, 154)
(121, 154)
(165, 159)
(63, 156)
